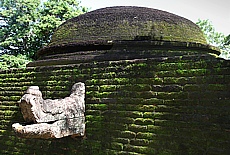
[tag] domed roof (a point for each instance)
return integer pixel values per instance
(124, 23)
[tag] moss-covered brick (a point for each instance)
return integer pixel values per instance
(93, 147)
(208, 94)
(135, 114)
(211, 79)
(138, 149)
(192, 72)
(137, 128)
(2, 132)
(9, 143)
(110, 114)
(120, 81)
(164, 123)
(152, 101)
(226, 78)
(144, 94)
(21, 88)
(192, 87)
(180, 124)
(172, 95)
(145, 135)
(132, 114)
(114, 81)
(148, 108)
(97, 106)
(55, 88)
(213, 102)
(139, 142)
(7, 112)
(181, 65)
(152, 128)
(117, 146)
(10, 98)
(167, 88)
(127, 153)
(127, 134)
(13, 106)
(126, 120)
(97, 94)
(108, 88)
(103, 75)
(217, 87)
(137, 80)
(144, 121)
(128, 100)
(167, 73)
(148, 114)
(94, 118)
(122, 140)
(182, 102)
(174, 109)
(127, 107)
(61, 82)
(4, 127)
(92, 88)
(174, 80)
(171, 66)
(135, 87)
(111, 125)
(94, 124)
(221, 71)
(10, 93)
(92, 112)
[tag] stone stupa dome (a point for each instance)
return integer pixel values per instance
(100, 28)
(121, 33)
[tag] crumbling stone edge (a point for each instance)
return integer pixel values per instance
(49, 118)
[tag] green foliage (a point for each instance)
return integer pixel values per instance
(227, 40)
(27, 25)
(18, 18)
(11, 61)
(215, 38)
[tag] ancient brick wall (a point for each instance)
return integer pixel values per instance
(164, 105)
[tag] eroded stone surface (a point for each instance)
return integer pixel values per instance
(128, 23)
(53, 118)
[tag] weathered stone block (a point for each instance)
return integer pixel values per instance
(53, 118)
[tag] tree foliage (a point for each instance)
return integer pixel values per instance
(227, 40)
(27, 25)
(11, 61)
(215, 38)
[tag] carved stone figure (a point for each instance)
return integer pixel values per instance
(52, 118)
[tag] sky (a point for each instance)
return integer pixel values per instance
(217, 11)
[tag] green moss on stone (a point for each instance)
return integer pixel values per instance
(145, 135)
(117, 146)
(126, 30)
(103, 26)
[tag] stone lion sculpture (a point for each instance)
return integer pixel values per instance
(52, 118)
